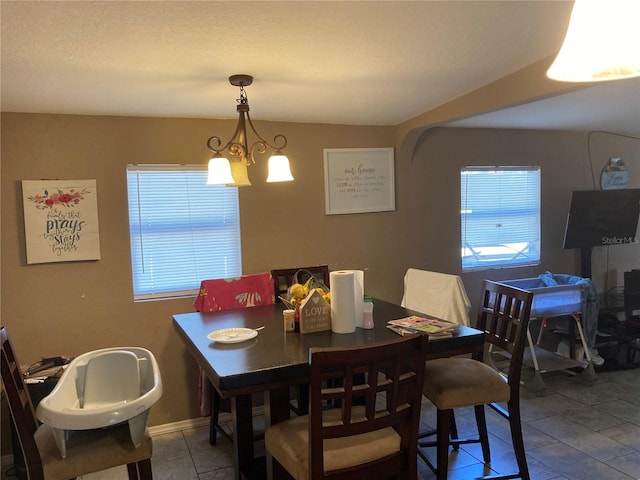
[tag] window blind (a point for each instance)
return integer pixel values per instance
(500, 216)
(182, 230)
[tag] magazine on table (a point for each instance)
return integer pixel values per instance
(416, 324)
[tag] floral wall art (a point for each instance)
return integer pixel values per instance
(60, 220)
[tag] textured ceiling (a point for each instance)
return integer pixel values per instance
(368, 63)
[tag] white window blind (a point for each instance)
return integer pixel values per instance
(182, 230)
(500, 217)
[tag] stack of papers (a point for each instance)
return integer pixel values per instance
(415, 324)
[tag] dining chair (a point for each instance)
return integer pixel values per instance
(235, 292)
(88, 451)
(375, 440)
(224, 294)
(456, 382)
(284, 278)
(438, 294)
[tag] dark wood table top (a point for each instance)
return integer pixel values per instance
(274, 358)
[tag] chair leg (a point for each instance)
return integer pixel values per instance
(516, 437)
(442, 454)
(144, 469)
(215, 414)
(303, 399)
(214, 423)
(454, 430)
(140, 470)
(132, 471)
(481, 423)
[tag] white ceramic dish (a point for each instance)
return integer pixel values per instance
(232, 335)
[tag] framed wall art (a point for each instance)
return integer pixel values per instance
(358, 180)
(60, 220)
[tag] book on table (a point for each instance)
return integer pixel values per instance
(416, 324)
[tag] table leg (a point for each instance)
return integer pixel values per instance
(242, 434)
(276, 409)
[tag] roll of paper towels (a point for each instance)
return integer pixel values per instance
(343, 305)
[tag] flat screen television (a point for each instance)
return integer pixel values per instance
(602, 217)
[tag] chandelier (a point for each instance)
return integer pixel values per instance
(230, 168)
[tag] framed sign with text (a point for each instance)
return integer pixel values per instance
(358, 180)
(60, 220)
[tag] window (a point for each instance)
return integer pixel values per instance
(500, 217)
(182, 230)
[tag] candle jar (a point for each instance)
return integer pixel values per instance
(289, 317)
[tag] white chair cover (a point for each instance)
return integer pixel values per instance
(438, 294)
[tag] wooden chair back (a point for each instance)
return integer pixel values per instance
(391, 394)
(284, 278)
(21, 408)
(504, 317)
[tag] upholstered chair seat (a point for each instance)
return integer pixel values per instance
(460, 382)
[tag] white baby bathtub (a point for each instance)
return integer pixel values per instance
(103, 388)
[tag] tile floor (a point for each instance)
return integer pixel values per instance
(572, 432)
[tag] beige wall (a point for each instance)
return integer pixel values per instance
(610, 263)
(70, 308)
(567, 162)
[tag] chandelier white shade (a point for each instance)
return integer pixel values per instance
(602, 42)
(279, 170)
(219, 171)
(240, 175)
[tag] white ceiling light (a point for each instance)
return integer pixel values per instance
(602, 42)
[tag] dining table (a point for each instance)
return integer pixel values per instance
(273, 361)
